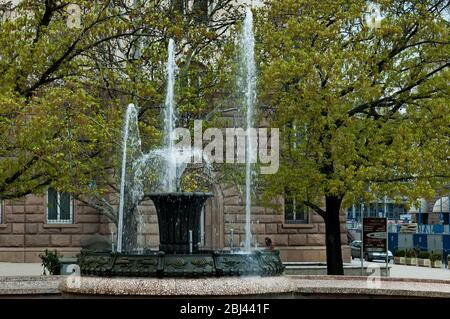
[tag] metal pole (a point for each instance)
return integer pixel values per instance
(448, 212)
(387, 249)
(387, 236)
(362, 240)
(420, 215)
(112, 241)
(190, 241)
(231, 239)
(353, 214)
(448, 228)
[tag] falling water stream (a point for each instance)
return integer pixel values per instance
(249, 80)
(168, 163)
(174, 161)
(130, 109)
(170, 179)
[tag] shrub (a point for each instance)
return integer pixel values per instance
(51, 262)
(435, 257)
(400, 253)
(411, 253)
(424, 255)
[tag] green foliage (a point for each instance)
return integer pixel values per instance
(435, 257)
(424, 255)
(363, 112)
(63, 90)
(51, 262)
(400, 253)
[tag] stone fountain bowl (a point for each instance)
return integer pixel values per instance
(199, 264)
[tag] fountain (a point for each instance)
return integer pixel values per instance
(178, 213)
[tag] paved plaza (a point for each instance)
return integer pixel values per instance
(20, 269)
(414, 272)
(402, 271)
(397, 271)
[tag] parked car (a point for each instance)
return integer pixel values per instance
(369, 255)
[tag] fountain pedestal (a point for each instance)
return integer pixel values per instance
(178, 213)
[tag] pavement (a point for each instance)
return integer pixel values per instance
(396, 271)
(414, 272)
(26, 280)
(263, 287)
(21, 269)
(30, 286)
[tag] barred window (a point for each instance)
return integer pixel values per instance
(59, 207)
(294, 212)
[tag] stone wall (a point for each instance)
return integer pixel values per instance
(25, 234)
(296, 242)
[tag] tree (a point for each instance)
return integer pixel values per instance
(69, 68)
(363, 112)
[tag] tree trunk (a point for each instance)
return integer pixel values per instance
(333, 235)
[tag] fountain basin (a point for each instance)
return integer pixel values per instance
(179, 255)
(254, 287)
(200, 264)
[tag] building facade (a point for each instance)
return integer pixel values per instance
(431, 211)
(34, 223)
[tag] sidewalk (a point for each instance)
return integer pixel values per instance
(397, 271)
(402, 271)
(20, 269)
(414, 272)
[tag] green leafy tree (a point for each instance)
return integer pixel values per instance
(364, 111)
(70, 68)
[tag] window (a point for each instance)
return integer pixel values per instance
(59, 207)
(389, 209)
(294, 212)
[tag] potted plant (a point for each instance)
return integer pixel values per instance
(436, 260)
(51, 262)
(423, 259)
(399, 257)
(411, 258)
